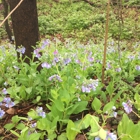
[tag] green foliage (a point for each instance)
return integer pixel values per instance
(127, 130)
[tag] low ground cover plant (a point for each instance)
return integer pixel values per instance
(66, 98)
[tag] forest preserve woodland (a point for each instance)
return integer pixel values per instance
(69, 69)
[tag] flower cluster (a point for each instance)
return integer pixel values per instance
(89, 85)
(46, 65)
(4, 91)
(55, 78)
(127, 107)
(40, 112)
(8, 102)
(21, 50)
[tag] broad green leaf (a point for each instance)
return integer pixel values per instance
(62, 137)
(102, 133)
(9, 126)
(28, 90)
(34, 136)
(20, 126)
(15, 119)
(80, 106)
(96, 104)
(108, 107)
(70, 133)
(59, 105)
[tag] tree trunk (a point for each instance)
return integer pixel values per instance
(5, 13)
(25, 25)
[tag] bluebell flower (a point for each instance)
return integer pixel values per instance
(4, 91)
(8, 102)
(46, 65)
(66, 61)
(127, 107)
(137, 67)
(97, 138)
(55, 52)
(118, 69)
(33, 125)
(40, 112)
(55, 78)
(111, 136)
(131, 57)
(45, 43)
(15, 67)
(1, 113)
(89, 85)
(36, 53)
(21, 50)
(85, 89)
(108, 66)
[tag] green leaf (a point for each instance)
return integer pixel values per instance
(38, 98)
(80, 106)
(34, 136)
(28, 90)
(96, 104)
(70, 132)
(62, 137)
(9, 126)
(102, 133)
(108, 107)
(20, 126)
(110, 88)
(15, 119)
(15, 133)
(59, 105)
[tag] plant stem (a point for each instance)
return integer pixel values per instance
(105, 45)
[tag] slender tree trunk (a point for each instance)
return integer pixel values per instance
(25, 25)
(5, 13)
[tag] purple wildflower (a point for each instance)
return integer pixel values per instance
(8, 102)
(77, 61)
(21, 50)
(55, 52)
(5, 91)
(111, 136)
(131, 57)
(40, 112)
(137, 67)
(46, 65)
(85, 89)
(33, 125)
(55, 77)
(89, 85)
(97, 138)
(108, 66)
(127, 107)
(1, 113)
(118, 69)
(67, 61)
(36, 53)
(15, 67)
(45, 43)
